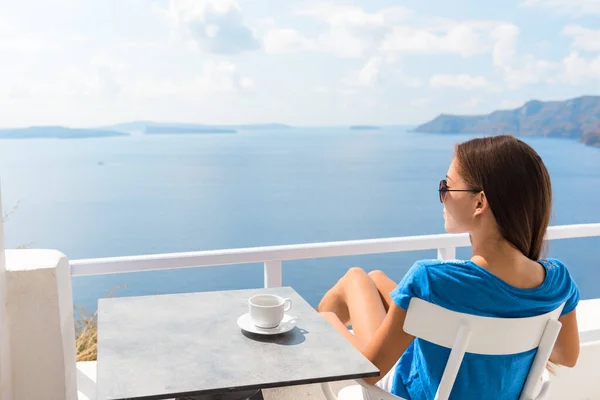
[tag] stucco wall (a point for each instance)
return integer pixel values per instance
(583, 381)
(42, 333)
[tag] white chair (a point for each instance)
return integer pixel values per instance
(464, 333)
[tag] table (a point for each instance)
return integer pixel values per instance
(179, 345)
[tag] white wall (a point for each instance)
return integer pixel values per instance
(5, 359)
(42, 331)
(583, 381)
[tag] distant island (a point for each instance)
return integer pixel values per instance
(577, 118)
(152, 128)
(127, 128)
(56, 132)
(168, 129)
(592, 138)
(259, 126)
(365, 127)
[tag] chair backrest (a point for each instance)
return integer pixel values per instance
(464, 333)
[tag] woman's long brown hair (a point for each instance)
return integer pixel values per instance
(516, 184)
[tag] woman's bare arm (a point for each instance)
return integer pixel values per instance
(566, 349)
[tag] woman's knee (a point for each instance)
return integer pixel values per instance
(377, 274)
(356, 272)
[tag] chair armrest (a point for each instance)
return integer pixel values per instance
(377, 393)
(369, 392)
(544, 393)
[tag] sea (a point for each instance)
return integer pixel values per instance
(147, 194)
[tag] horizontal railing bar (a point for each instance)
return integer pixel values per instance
(113, 265)
(262, 254)
(573, 231)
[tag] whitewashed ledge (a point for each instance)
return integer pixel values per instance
(579, 383)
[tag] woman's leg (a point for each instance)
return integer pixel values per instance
(343, 329)
(384, 286)
(355, 299)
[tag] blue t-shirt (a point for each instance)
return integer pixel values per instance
(465, 287)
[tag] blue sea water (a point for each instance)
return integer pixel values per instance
(173, 193)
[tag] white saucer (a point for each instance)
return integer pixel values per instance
(287, 324)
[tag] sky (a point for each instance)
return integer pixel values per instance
(96, 62)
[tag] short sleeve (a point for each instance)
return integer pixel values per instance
(566, 288)
(414, 284)
(572, 296)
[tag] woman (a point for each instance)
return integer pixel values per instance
(498, 190)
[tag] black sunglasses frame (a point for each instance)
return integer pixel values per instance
(443, 189)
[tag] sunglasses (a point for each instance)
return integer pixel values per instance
(443, 189)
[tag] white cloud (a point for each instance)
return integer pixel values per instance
(349, 30)
(286, 41)
(505, 48)
(577, 7)
(412, 82)
(322, 89)
(14, 90)
(379, 71)
(473, 102)
(348, 91)
(214, 25)
(583, 38)
(528, 70)
(352, 32)
(370, 74)
(348, 15)
(11, 39)
(460, 81)
(99, 79)
(517, 69)
(520, 70)
(422, 102)
(21, 44)
(216, 77)
(384, 34)
(458, 39)
(578, 69)
(511, 104)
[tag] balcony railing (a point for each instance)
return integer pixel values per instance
(273, 256)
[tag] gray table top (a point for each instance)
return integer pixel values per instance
(165, 346)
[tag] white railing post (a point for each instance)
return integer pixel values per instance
(446, 253)
(273, 274)
(6, 375)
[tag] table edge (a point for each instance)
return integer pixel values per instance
(251, 387)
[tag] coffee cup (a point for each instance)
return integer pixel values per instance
(266, 310)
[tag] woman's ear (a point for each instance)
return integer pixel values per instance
(481, 203)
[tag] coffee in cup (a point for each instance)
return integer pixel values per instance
(266, 310)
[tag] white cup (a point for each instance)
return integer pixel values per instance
(266, 310)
